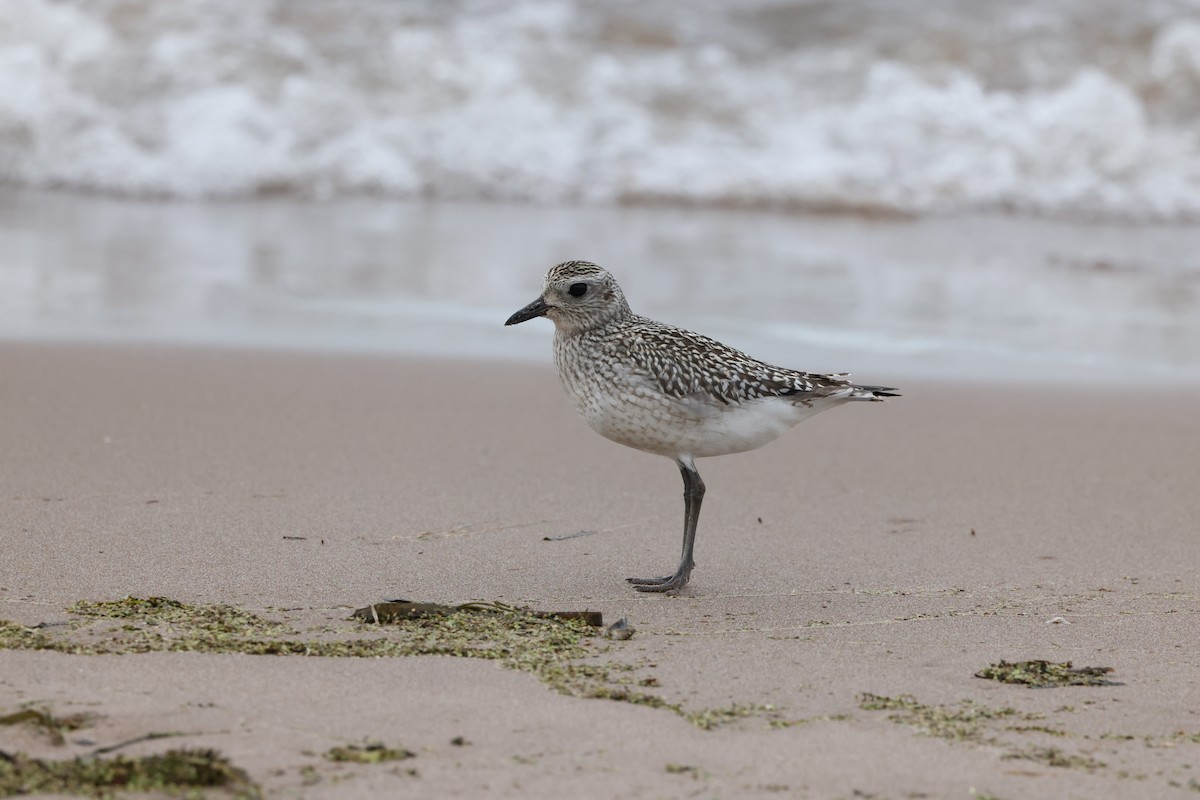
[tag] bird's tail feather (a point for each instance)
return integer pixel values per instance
(874, 392)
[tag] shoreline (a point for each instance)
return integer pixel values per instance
(986, 298)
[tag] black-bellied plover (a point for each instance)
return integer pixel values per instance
(661, 389)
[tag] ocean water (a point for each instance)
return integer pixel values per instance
(998, 190)
(1070, 108)
(977, 297)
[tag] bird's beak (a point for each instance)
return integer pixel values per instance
(537, 308)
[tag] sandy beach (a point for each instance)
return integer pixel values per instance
(889, 550)
(255, 261)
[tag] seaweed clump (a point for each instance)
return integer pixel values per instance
(47, 724)
(1054, 757)
(557, 647)
(945, 722)
(1044, 674)
(173, 772)
(552, 647)
(974, 723)
(369, 753)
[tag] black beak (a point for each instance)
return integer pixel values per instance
(537, 308)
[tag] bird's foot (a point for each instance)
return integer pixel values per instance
(668, 584)
(671, 584)
(650, 581)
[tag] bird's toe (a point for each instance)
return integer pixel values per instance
(669, 585)
(650, 581)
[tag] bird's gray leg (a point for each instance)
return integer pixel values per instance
(693, 494)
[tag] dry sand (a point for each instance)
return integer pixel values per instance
(891, 549)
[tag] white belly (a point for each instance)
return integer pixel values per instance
(648, 420)
(736, 429)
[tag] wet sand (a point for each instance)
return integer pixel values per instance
(889, 549)
(986, 298)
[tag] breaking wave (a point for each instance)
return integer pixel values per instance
(1083, 107)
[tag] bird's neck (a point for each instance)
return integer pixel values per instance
(566, 325)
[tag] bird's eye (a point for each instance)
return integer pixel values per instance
(577, 289)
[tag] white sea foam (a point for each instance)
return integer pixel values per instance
(762, 104)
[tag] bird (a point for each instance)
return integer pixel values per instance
(668, 391)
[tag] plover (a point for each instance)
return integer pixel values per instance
(669, 391)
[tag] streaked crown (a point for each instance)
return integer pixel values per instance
(574, 269)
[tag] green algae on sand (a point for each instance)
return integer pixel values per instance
(973, 723)
(560, 648)
(962, 723)
(1045, 674)
(553, 648)
(177, 772)
(47, 724)
(369, 753)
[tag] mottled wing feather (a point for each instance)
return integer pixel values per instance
(686, 364)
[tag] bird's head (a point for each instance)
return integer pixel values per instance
(576, 296)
